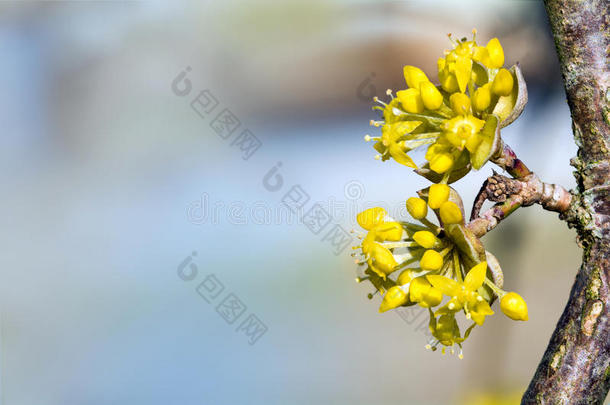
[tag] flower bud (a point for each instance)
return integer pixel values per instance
(496, 53)
(371, 217)
(425, 239)
(411, 100)
(514, 306)
(431, 260)
(394, 298)
(391, 231)
(441, 163)
(431, 298)
(460, 103)
(481, 98)
(382, 260)
(503, 83)
(414, 76)
(448, 81)
(418, 288)
(450, 213)
(437, 195)
(417, 207)
(430, 95)
(440, 63)
(405, 276)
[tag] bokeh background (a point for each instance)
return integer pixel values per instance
(111, 181)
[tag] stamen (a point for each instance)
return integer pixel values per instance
(392, 245)
(367, 138)
(389, 93)
(376, 99)
(376, 123)
(461, 355)
(377, 157)
(452, 40)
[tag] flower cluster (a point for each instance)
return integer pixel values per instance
(443, 268)
(459, 119)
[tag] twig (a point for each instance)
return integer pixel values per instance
(511, 194)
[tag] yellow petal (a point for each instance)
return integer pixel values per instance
(481, 54)
(481, 98)
(460, 103)
(496, 53)
(432, 298)
(418, 287)
(382, 261)
(410, 100)
(447, 286)
(399, 155)
(463, 69)
(405, 276)
(448, 81)
(475, 277)
(391, 231)
(371, 217)
(480, 311)
(414, 76)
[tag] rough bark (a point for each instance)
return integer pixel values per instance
(575, 368)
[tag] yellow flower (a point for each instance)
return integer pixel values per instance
(450, 213)
(441, 163)
(368, 219)
(492, 55)
(437, 195)
(421, 263)
(417, 208)
(461, 129)
(503, 83)
(425, 239)
(394, 298)
(460, 103)
(451, 117)
(421, 292)
(406, 276)
(482, 98)
(414, 76)
(431, 260)
(465, 293)
(514, 306)
(397, 139)
(431, 97)
(411, 100)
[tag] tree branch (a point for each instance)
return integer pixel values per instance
(575, 368)
(511, 194)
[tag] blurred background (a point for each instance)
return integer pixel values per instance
(148, 257)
